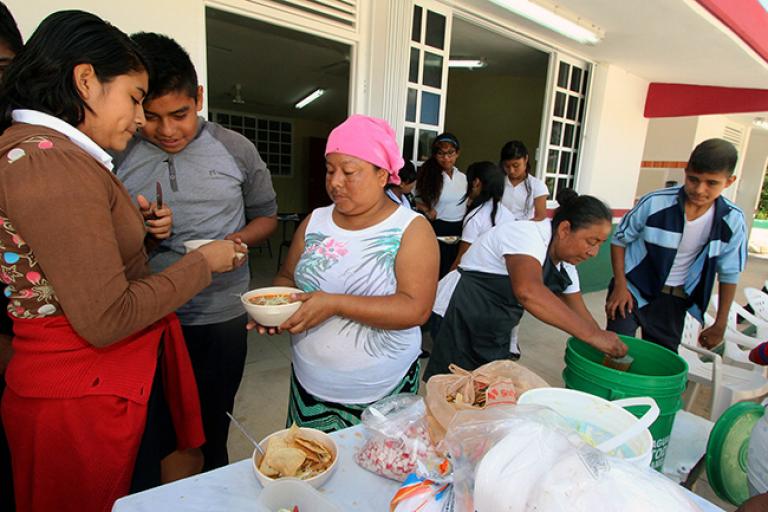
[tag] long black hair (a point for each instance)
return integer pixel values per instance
(429, 181)
(580, 211)
(41, 75)
(514, 150)
(492, 188)
(9, 31)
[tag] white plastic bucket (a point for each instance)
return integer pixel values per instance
(627, 433)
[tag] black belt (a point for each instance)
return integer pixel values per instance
(675, 291)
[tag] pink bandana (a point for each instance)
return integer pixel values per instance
(370, 139)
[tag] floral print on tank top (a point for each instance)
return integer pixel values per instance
(25, 287)
(320, 254)
(378, 252)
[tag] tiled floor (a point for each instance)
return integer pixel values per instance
(262, 400)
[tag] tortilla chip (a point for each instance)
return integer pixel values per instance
(286, 461)
(268, 470)
(312, 446)
(311, 456)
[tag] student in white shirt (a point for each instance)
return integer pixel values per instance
(524, 266)
(440, 188)
(401, 194)
(485, 186)
(524, 194)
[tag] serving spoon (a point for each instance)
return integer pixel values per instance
(242, 429)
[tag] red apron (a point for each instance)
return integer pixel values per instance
(74, 414)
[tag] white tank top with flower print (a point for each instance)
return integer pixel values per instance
(341, 360)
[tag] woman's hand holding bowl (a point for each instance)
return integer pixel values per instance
(317, 307)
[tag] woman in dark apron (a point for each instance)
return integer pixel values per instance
(521, 266)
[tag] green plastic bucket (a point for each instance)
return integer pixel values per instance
(655, 372)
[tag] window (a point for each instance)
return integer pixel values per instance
(273, 138)
(564, 141)
(427, 77)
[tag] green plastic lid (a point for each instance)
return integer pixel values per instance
(727, 451)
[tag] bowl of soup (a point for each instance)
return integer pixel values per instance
(271, 306)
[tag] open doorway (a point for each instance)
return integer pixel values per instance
(502, 101)
(257, 73)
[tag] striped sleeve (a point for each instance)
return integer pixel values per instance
(733, 258)
(631, 226)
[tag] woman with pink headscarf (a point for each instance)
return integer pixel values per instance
(369, 272)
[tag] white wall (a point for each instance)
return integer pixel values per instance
(709, 127)
(183, 20)
(754, 161)
(615, 136)
(670, 139)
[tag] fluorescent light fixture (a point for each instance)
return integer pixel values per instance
(761, 123)
(310, 98)
(551, 20)
(466, 63)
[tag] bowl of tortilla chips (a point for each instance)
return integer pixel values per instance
(297, 452)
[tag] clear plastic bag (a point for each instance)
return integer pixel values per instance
(398, 441)
(528, 458)
(538, 432)
(586, 480)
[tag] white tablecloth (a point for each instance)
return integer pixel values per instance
(235, 488)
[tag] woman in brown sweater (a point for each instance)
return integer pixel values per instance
(92, 327)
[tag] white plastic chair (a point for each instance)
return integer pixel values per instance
(736, 348)
(730, 384)
(736, 356)
(759, 302)
(735, 333)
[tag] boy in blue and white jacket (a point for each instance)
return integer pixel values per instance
(669, 248)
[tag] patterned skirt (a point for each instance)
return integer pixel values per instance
(308, 411)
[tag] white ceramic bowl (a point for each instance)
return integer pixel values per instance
(311, 433)
(191, 245)
(270, 316)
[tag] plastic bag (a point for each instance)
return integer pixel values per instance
(528, 458)
(443, 390)
(586, 480)
(398, 438)
(529, 429)
(418, 494)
